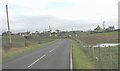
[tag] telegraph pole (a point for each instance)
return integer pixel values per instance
(8, 26)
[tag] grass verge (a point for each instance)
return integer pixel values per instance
(17, 52)
(80, 59)
(0, 55)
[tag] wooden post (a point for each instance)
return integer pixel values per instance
(10, 41)
(110, 53)
(100, 60)
(93, 52)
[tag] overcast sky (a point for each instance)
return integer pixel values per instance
(37, 15)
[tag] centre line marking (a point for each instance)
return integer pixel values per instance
(51, 50)
(36, 61)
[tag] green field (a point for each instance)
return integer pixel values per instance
(103, 58)
(20, 41)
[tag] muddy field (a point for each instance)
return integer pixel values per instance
(94, 38)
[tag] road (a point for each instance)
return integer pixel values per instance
(54, 56)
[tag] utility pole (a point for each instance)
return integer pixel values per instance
(8, 26)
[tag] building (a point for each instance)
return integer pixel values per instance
(6, 33)
(25, 33)
(98, 29)
(110, 28)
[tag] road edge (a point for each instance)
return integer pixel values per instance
(71, 61)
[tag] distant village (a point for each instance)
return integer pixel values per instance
(44, 33)
(98, 29)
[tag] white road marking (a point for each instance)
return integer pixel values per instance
(51, 50)
(71, 62)
(36, 61)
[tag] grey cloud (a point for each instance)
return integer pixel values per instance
(40, 23)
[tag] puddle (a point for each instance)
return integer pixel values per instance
(105, 45)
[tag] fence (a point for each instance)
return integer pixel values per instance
(104, 58)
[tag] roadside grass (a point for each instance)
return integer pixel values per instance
(0, 54)
(16, 52)
(80, 59)
(104, 57)
(107, 57)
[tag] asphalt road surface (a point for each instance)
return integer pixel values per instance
(54, 56)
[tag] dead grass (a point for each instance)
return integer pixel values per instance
(106, 37)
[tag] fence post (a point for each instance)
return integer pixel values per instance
(110, 57)
(93, 52)
(100, 62)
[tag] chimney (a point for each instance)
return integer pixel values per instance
(104, 25)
